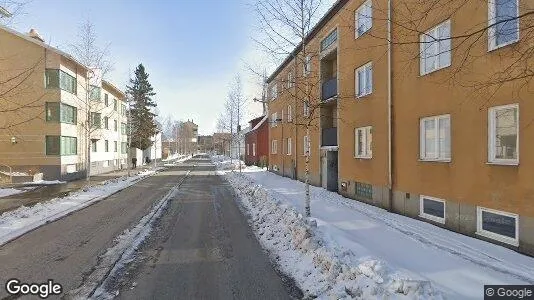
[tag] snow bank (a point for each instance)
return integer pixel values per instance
(319, 266)
(9, 191)
(223, 162)
(19, 221)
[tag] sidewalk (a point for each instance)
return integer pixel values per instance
(44, 193)
(457, 265)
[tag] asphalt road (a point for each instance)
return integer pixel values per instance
(68, 249)
(203, 248)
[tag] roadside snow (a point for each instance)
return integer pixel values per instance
(45, 182)
(19, 221)
(225, 163)
(10, 191)
(365, 250)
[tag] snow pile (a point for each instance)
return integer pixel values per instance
(319, 266)
(15, 173)
(23, 219)
(175, 156)
(223, 162)
(45, 182)
(9, 191)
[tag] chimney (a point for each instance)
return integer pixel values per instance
(34, 34)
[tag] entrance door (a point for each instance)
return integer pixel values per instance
(324, 168)
(332, 171)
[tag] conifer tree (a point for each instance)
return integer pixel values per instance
(142, 118)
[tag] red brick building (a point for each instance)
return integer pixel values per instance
(257, 142)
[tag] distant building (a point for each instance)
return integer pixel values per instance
(221, 143)
(257, 142)
(205, 143)
(188, 137)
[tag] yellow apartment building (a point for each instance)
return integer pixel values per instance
(421, 108)
(43, 111)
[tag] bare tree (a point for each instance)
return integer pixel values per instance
(87, 52)
(284, 26)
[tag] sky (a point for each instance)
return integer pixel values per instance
(192, 49)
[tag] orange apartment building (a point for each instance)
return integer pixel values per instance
(412, 108)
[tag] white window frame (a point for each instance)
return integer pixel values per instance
(424, 215)
(366, 4)
(253, 149)
(289, 146)
(433, 32)
(492, 30)
(422, 140)
(274, 146)
(248, 149)
(368, 153)
(491, 136)
(368, 67)
(307, 66)
(307, 146)
(289, 79)
(274, 118)
(289, 114)
(496, 236)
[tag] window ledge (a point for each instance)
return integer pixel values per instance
(363, 96)
(435, 160)
(363, 157)
(503, 163)
(496, 47)
(496, 237)
(432, 218)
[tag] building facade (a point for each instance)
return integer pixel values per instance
(51, 114)
(257, 142)
(428, 120)
(205, 143)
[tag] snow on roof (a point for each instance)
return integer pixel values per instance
(259, 123)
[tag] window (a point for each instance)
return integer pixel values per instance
(435, 138)
(96, 120)
(55, 78)
(274, 91)
(289, 80)
(248, 149)
(306, 106)
(364, 141)
(307, 146)
(364, 190)
(498, 225)
(364, 80)
(123, 128)
(124, 147)
(289, 146)
(289, 114)
(95, 93)
(432, 208)
(363, 18)
(274, 146)
(436, 48)
(115, 104)
(115, 125)
(123, 109)
(307, 65)
(52, 145)
(106, 102)
(56, 111)
(106, 122)
(329, 40)
(504, 134)
(504, 23)
(115, 146)
(93, 146)
(253, 149)
(106, 145)
(274, 119)
(61, 145)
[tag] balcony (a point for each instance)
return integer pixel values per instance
(329, 89)
(329, 137)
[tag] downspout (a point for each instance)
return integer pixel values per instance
(390, 129)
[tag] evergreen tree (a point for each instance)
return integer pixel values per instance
(142, 119)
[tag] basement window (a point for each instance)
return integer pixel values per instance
(432, 209)
(364, 190)
(498, 225)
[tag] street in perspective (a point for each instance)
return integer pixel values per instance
(267, 149)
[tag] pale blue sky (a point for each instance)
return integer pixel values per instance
(191, 48)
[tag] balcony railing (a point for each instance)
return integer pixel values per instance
(329, 137)
(329, 88)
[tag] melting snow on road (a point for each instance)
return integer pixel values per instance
(353, 250)
(19, 221)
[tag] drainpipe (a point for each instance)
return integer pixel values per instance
(390, 129)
